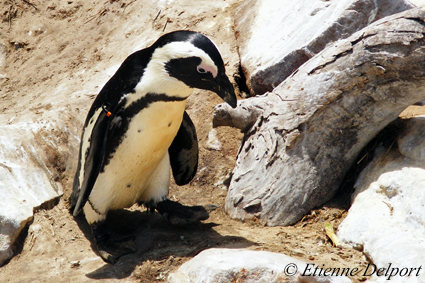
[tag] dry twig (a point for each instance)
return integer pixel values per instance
(31, 4)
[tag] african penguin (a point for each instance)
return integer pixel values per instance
(137, 128)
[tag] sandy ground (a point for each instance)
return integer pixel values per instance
(54, 43)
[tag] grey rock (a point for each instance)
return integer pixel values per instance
(316, 122)
(238, 265)
(386, 217)
(276, 37)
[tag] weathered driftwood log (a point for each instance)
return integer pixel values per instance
(302, 137)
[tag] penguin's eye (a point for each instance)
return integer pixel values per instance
(201, 70)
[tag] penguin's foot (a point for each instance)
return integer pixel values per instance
(108, 249)
(180, 215)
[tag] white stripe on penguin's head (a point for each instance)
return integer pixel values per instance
(184, 49)
(156, 77)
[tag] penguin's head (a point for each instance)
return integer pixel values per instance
(194, 60)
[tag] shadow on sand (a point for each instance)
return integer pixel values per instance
(155, 239)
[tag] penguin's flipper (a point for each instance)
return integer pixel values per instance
(184, 152)
(93, 162)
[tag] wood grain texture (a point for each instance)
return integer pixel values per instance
(310, 129)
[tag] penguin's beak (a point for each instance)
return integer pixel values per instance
(225, 90)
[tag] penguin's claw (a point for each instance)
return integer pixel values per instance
(111, 251)
(181, 215)
(210, 207)
(179, 220)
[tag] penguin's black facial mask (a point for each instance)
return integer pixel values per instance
(190, 71)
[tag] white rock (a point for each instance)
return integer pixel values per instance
(213, 142)
(238, 265)
(34, 149)
(25, 181)
(418, 3)
(386, 217)
(276, 37)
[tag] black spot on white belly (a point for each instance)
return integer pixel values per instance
(139, 130)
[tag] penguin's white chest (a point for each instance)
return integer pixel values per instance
(126, 178)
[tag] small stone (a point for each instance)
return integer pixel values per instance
(213, 143)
